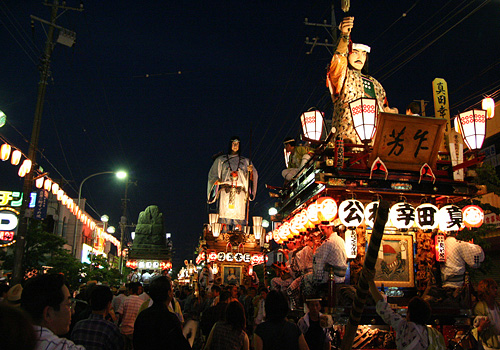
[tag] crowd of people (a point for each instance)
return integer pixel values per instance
(43, 314)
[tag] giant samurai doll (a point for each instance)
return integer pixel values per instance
(233, 181)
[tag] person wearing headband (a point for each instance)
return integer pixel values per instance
(348, 80)
(297, 158)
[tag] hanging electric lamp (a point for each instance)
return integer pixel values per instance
(312, 213)
(364, 112)
(312, 124)
(5, 151)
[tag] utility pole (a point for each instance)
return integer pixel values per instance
(330, 28)
(123, 224)
(17, 274)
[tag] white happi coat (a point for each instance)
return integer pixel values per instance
(231, 192)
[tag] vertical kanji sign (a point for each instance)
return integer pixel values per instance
(442, 105)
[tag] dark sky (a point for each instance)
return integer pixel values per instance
(158, 87)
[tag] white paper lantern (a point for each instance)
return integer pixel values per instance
(450, 218)
(351, 213)
(370, 212)
(426, 216)
(402, 215)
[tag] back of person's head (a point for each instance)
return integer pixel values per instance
(263, 289)
(483, 287)
(40, 292)
(159, 289)
(216, 289)
(419, 310)
(100, 298)
(235, 315)
(16, 330)
(134, 287)
(276, 306)
(224, 296)
(290, 141)
(414, 107)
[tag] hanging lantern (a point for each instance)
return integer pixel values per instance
(351, 213)
(488, 104)
(473, 216)
(215, 269)
(39, 182)
(364, 113)
(257, 221)
(402, 215)
(327, 208)
(55, 188)
(16, 157)
(312, 213)
(213, 218)
(65, 198)
(370, 212)
(212, 256)
(216, 228)
(312, 125)
(351, 244)
(60, 195)
(473, 127)
(25, 168)
(450, 218)
(92, 225)
(5, 151)
(440, 248)
(250, 270)
(47, 184)
(426, 216)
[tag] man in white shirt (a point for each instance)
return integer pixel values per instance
(47, 300)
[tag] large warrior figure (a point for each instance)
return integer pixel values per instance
(348, 80)
(233, 179)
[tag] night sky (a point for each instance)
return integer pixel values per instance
(156, 88)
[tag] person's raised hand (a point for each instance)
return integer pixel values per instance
(346, 25)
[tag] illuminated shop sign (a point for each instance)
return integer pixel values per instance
(149, 264)
(8, 224)
(15, 199)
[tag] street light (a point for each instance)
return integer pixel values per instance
(119, 175)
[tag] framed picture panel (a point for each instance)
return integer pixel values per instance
(394, 267)
(231, 274)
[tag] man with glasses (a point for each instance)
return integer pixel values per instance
(47, 300)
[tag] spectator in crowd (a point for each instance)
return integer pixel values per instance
(13, 296)
(413, 108)
(258, 303)
(47, 300)
(411, 332)
(229, 334)
(96, 333)
(215, 295)
(157, 327)
(16, 330)
(119, 298)
(317, 337)
(249, 309)
(487, 311)
(128, 312)
(214, 314)
(276, 332)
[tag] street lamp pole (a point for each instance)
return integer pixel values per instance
(123, 224)
(119, 174)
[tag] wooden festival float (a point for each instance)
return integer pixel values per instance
(405, 162)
